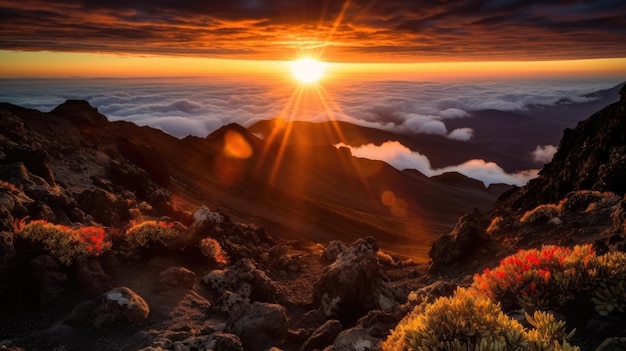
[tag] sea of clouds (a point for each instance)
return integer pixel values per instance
(199, 106)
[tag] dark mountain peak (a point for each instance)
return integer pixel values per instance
(80, 113)
(456, 178)
(592, 156)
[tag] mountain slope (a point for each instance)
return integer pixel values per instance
(309, 192)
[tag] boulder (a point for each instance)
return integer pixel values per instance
(16, 173)
(323, 336)
(332, 251)
(356, 339)
(246, 280)
(259, 325)
(289, 263)
(105, 207)
(204, 220)
(466, 243)
(379, 323)
(119, 304)
(354, 284)
(177, 277)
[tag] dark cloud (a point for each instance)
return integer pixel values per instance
(358, 30)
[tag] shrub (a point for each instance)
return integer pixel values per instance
(552, 277)
(151, 232)
(65, 243)
(541, 213)
(467, 321)
(213, 250)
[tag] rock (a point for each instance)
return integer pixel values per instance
(91, 277)
(7, 250)
(177, 277)
(613, 344)
(323, 336)
(50, 277)
(244, 279)
(6, 220)
(16, 174)
(354, 284)
(289, 263)
(379, 323)
(116, 305)
(105, 207)
(332, 251)
(259, 325)
(430, 293)
(204, 220)
(130, 177)
(216, 342)
(467, 242)
(35, 160)
(311, 320)
(356, 339)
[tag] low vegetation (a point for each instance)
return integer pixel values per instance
(63, 242)
(551, 278)
(467, 321)
(149, 233)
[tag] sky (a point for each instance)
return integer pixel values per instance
(450, 38)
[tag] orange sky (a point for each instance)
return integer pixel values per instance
(55, 64)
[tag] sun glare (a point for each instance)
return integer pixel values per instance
(308, 70)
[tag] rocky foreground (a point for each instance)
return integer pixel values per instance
(87, 264)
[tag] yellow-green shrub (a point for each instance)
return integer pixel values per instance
(212, 249)
(541, 212)
(151, 232)
(66, 243)
(470, 321)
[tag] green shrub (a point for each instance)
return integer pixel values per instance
(148, 233)
(65, 243)
(470, 321)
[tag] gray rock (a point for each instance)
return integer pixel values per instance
(259, 325)
(323, 336)
(356, 339)
(354, 284)
(117, 304)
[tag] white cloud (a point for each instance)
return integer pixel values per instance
(450, 113)
(544, 154)
(461, 134)
(433, 127)
(401, 157)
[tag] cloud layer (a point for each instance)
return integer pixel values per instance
(351, 30)
(199, 106)
(401, 157)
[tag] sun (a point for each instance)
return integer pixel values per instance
(308, 70)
